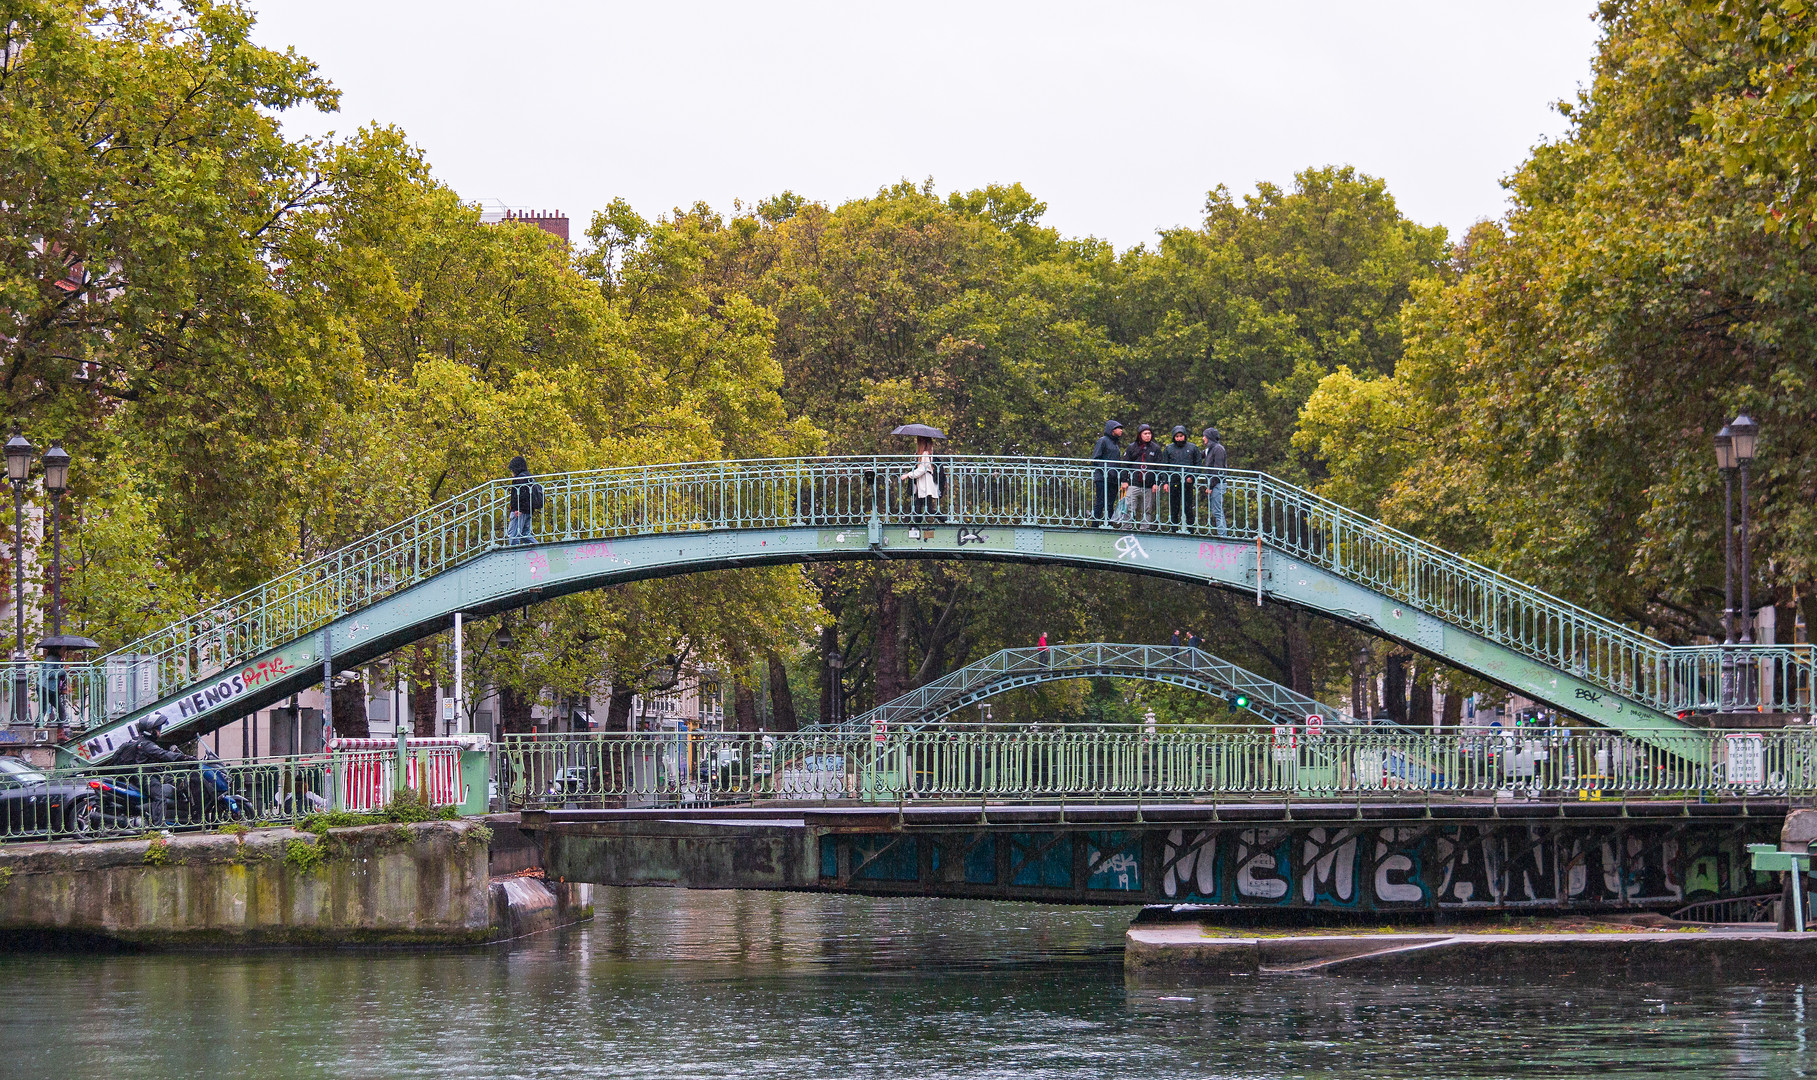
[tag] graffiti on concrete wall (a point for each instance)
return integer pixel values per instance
(1457, 866)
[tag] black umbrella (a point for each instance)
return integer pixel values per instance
(920, 429)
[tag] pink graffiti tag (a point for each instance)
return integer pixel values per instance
(1221, 555)
(601, 550)
(539, 564)
(264, 671)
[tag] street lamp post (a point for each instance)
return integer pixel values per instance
(56, 481)
(58, 645)
(18, 467)
(1745, 433)
(1725, 460)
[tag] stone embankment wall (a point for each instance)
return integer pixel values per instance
(422, 884)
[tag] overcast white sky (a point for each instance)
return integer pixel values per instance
(1119, 115)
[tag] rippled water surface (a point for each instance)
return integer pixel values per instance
(674, 984)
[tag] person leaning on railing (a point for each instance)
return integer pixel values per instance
(1182, 500)
(1106, 481)
(523, 497)
(1213, 458)
(1144, 479)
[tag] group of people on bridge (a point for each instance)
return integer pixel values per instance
(1141, 487)
(1150, 476)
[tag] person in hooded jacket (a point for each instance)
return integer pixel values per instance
(1144, 479)
(1214, 458)
(1104, 481)
(519, 501)
(1182, 499)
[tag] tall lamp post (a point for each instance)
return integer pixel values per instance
(1745, 433)
(58, 645)
(18, 468)
(1725, 460)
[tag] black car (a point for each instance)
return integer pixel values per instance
(31, 802)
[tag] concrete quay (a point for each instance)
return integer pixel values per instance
(425, 884)
(1197, 949)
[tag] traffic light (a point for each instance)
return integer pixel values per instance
(1236, 699)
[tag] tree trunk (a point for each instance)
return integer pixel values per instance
(1299, 652)
(618, 709)
(889, 622)
(829, 648)
(1394, 687)
(1420, 707)
(513, 711)
(1454, 712)
(744, 705)
(350, 711)
(782, 700)
(422, 694)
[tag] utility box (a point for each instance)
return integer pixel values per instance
(296, 731)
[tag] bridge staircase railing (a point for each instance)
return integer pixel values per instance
(863, 492)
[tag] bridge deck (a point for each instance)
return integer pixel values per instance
(1166, 815)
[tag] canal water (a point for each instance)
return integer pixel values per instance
(674, 984)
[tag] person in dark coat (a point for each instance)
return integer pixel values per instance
(519, 502)
(1214, 465)
(160, 795)
(1182, 499)
(1144, 480)
(1104, 481)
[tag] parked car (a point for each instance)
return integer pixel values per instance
(570, 781)
(31, 802)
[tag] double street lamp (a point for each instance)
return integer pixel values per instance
(19, 452)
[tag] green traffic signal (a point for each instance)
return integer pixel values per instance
(1237, 700)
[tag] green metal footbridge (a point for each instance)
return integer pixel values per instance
(1282, 545)
(1008, 669)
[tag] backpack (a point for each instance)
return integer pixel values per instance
(536, 497)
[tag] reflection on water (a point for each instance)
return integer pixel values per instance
(674, 984)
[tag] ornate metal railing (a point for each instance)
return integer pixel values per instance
(90, 802)
(971, 762)
(863, 491)
(1009, 668)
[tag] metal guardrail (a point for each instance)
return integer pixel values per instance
(1736, 911)
(980, 762)
(1007, 669)
(863, 492)
(129, 800)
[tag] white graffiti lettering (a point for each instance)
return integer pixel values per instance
(1129, 548)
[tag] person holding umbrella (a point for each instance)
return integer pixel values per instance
(927, 481)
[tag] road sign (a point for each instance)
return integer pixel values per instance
(1315, 725)
(879, 730)
(1747, 759)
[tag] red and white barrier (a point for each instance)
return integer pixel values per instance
(365, 770)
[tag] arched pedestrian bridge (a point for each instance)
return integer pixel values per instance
(1281, 544)
(1173, 665)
